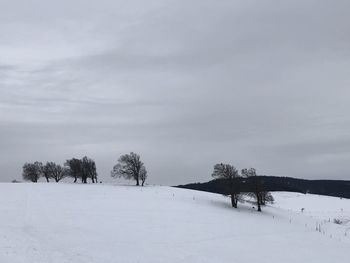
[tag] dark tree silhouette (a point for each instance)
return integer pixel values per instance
(130, 166)
(84, 165)
(46, 172)
(56, 171)
(266, 197)
(83, 169)
(32, 171)
(231, 176)
(88, 170)
(143, 175)
(75, 169)
(257, 188)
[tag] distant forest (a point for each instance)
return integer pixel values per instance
(336, 188)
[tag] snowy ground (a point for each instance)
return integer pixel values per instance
(105, 224)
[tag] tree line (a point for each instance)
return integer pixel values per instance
(82, 169)
(233, 185)
(129, 166)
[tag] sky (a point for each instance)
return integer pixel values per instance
(184, 83)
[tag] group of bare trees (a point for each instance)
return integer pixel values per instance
(83, 169)
(129, 166)
(234, 182)
(76, 168)
(34, 171)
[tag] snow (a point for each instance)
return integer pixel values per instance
(105, 223)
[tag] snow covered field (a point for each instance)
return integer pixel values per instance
(104, 223)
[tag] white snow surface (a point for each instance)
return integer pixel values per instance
(106, 224)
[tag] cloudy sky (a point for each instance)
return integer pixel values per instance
(185, 83)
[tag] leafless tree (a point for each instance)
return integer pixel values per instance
(46, 172)
(56, 171)
(131, 167)
(82, 168)
(88, 170)
(257, 188)
(143, 175)
(75, 169)
(230, 174)
(32, 171)
(266, 198)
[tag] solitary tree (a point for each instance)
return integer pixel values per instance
(232, 180)
(32, 171)
(257, 188)
(130, 166)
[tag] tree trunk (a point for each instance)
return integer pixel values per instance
(259, 203)
(75, 179)
(233, 201)
(137, 182)
(47, 179)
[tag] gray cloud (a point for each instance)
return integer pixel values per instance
(185, 83)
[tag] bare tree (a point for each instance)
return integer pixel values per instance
(257, 188)
(75, 169)
(84, 164)
(88, 170)
(130, 166)
(143, 175)
(266, 198)
(56, 171)
(32, 171)
(46, 172)
(82, 168)
(230, 174)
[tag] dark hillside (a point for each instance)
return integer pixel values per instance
(273, 183)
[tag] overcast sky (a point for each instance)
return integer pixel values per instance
(185, 83)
